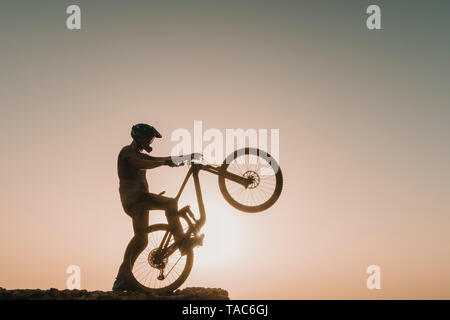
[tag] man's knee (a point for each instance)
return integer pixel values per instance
(171, 207)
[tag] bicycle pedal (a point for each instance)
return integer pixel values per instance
(200, 239)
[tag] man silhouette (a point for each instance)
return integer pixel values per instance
(137, 201)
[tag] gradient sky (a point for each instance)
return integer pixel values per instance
(364, 129)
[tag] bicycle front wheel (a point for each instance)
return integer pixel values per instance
(152, 271)
(265, 174)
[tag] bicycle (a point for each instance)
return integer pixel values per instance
(248, 185)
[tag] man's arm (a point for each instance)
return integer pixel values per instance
(169, 159)
(148, 162)
(146, 156)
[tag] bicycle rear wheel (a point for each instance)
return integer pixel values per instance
(266, 176)
(150, 261)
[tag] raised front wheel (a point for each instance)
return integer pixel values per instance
(265, 180)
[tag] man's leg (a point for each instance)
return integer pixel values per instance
(153, 201)
(140, 218)
(137, 243)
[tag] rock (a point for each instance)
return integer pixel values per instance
(199, 293)
(190, 293)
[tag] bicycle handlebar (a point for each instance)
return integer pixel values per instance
(194, 159)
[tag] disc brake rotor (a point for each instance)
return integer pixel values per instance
(255, 179)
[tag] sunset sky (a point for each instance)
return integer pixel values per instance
(363, 118)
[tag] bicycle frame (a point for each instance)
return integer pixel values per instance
(198, 224)
(194, 171)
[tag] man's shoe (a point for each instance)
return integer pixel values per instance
(122, 285)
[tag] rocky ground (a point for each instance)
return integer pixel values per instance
(191, 293)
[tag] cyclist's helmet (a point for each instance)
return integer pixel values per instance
(142, 132)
